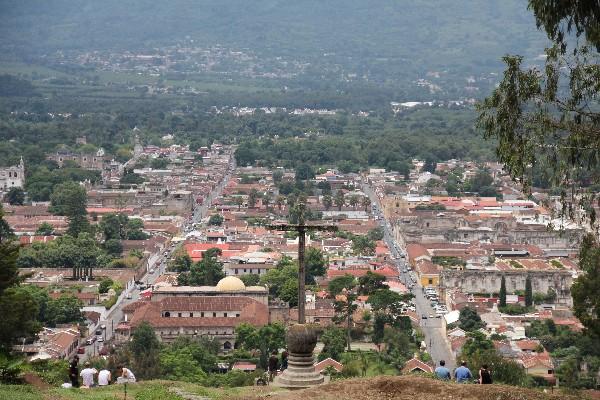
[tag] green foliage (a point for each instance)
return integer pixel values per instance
(131, 178)
(42, 180)
(21, 392)
(283, 281)
(336, 285)
(145, 350)
(215, 220)
(586, 288)
(515, 309)
(334, 342)
(448, 261)
(502, 294)
(266, 339)
(10, 370)
(188, 360)
(70, 199)
(113, 247)
(231, 379)
(344, 312)
(65, 309)
(45, 229)
(375, 234)
(182, 263)
(15, 196)
(250, 279)
(362, 245)
(64, 252)
(206, 272)
(19, 311)
(370, 283)
(314, 262)
(159, 163)
(104, 285)
(469, 320)
(430, 207)
(478, 351)
(528, 292)
(51, 372)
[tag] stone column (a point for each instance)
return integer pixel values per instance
(301, 340)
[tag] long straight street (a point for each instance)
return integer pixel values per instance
(432, 325)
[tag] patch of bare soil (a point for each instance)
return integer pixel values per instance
(408, 388)
(35, 381)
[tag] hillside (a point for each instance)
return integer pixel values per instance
(384, 387)
(411, 388)
(378, 38)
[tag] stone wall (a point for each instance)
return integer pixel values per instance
(486, 281)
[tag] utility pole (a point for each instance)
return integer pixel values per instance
(301, 228)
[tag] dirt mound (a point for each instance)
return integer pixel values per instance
(34, 380)
(409, 388)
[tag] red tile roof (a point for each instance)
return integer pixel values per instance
(328, 362)
(251, 311)
(415, 364)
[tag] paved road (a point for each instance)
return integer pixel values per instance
(432, 327)
(156, 264)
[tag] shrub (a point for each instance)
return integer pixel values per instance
(53, 372)
(10, 369)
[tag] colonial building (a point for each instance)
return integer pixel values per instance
(13, 176)
(197, 316)
(229, 286)
(94, 161)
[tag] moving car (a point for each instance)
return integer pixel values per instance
(81, 350)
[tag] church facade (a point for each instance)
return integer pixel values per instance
(13, 176)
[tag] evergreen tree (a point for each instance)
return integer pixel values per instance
(528, 292)
(70, 199)
(502, 296)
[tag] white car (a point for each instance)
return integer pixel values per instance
(100, 339)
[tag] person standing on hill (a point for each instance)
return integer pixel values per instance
(273, 361)
(463, 374)
(74, 372)
(485, 376)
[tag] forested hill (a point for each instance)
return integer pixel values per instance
(368, 35)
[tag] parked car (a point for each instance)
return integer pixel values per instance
(100, 339)
(90, 340)
(81, 350)
(98, 332)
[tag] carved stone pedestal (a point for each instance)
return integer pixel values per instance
(301, 341)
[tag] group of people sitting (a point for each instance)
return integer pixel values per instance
(463, 374)
(88, 375)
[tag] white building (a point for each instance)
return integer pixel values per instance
(13, 176)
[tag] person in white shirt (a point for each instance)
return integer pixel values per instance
(127, 374)
(104, 377)
(88, 375)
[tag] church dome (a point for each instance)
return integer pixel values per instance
(230, 284)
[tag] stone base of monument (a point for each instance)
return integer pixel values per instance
(301, 340)
(300, 373)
